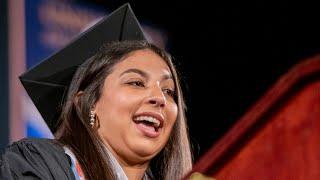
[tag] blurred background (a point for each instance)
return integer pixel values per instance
(228, 53)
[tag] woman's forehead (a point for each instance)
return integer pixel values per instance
(145, 60)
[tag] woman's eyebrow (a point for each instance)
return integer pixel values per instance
(137, 71)
(167, 76)
(144, 74)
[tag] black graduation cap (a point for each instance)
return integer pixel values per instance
(47, 83)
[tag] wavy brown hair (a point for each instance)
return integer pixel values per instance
(74, 130)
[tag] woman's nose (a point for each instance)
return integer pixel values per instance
(157, 98)
(157, 101)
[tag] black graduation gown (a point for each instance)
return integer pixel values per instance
(32, 158)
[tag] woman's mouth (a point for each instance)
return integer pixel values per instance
(149, 124)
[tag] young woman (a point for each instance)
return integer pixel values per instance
(123, 118)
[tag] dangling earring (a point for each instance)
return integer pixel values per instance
(92, 118)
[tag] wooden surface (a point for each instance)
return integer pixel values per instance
(287, 147)
(278, 138)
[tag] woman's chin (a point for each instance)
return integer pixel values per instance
(146, 151)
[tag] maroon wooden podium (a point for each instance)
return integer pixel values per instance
(278, 138)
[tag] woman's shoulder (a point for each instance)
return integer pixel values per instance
(36, 144)
(35, 147)
(35, 157)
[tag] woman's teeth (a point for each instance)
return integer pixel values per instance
(154, 121)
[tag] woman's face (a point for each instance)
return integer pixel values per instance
(137, 110)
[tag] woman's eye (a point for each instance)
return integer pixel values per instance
(136, 83)
(170, 92)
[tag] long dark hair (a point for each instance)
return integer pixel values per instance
(74, 130)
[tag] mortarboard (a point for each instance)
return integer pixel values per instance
(47, 83)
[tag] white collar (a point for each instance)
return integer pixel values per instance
(121, 175)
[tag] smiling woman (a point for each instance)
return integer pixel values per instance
(115, 106)
(137, 100)
(133, 92)
(123, 117)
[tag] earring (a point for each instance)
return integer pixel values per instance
(92, 118)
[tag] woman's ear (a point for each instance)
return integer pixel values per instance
(76, 100)
(77, 97)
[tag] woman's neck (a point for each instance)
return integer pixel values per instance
(134, 171)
